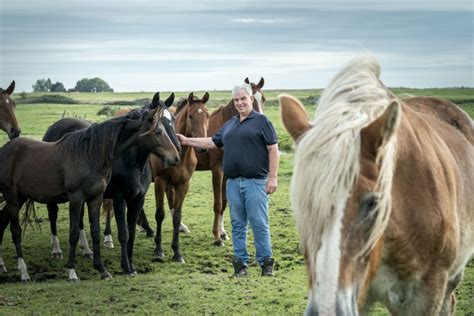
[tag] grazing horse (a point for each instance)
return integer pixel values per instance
(212, 159)
(77, 169)
(8, 121)
(192, 119)
(131, 177)
(383, 195)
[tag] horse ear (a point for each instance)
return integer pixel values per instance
(156, 100)
(10, 88)
(170, 100)
(381, 130)
(205, 98)
(261, 83)
(246, 80)
(294, 116)
(190, 98)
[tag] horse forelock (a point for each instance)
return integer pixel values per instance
(331, 151)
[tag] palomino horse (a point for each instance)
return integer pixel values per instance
(76, 169)
(383, 194)
(212, 160)
(131, 177)
(8, 121)
(192, 119)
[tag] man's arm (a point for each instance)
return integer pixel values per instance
(201, 142)
(273, 159)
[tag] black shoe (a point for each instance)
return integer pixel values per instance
(240, 268)
(267, 267)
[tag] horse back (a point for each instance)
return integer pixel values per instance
(445, 111)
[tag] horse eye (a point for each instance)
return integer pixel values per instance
(368, 203)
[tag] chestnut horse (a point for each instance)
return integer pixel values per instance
(192, 119)
(8, 121)
(212, 159)
(77, 169)
(383, 195)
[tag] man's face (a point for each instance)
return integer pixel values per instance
(243, 103)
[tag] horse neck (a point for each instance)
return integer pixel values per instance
(138, 156)
(229, 111)
(181, 121)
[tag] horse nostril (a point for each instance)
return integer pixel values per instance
(15, 132)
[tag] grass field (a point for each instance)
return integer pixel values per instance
(203, 284)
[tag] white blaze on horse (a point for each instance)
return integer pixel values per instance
(383, 195)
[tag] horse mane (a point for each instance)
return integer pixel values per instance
(331, 151)
(94, 144)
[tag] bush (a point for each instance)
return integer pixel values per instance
(53, 98)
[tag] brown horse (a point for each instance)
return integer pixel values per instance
(383, 194)
(8, 121)
(212, 160)
(192, 119)
(76, 168)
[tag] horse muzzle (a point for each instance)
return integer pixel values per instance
(170, 162)
(202, 150)
(14, 132)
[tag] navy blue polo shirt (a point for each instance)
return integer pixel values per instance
(245, 145)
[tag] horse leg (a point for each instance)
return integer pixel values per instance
(4, 220)
(217, 178)
(13, 212)
(449, 302)
(83, 244)
(143, 222)
(134, 209)
(75, 205)
(107, 205)
(171, 196)
(123, 234)
(93, 207)
(223, 233)
(181, 191)
(159, 217)
(56, 251)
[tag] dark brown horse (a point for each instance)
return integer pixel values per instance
(212, 160)
(8, 121)
(192, 119)
(77, 169)
(383, 193)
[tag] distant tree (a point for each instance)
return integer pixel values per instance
(57, 87)
(92, 85)
(42, 85)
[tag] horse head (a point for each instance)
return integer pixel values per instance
(152, 134)
(8, 121)
(342, 203)
(259, 97)
(168, 119)
(196, 117)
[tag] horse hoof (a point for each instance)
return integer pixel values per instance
(106, 276)
(109, 245)
(184, 230)
(218, 243)
(132, 274)
(179, 259)
(25, 279)
(87, 255)
(57, 255)
(73, 280)
(3, 268)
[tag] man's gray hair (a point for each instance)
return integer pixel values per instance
(242, 87)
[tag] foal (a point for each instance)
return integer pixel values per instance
(192, 119)
(76, 169)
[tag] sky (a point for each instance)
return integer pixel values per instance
(182, 45)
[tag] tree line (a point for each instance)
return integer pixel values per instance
(83, 85)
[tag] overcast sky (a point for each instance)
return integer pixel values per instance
(146, 45)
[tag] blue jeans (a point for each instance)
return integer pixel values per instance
(248, 202)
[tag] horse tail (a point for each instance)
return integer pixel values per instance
(30, 217)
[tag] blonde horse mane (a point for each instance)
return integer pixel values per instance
(327, 156)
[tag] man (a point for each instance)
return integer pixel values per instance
(250, 165)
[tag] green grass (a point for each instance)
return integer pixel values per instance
(203, 284)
